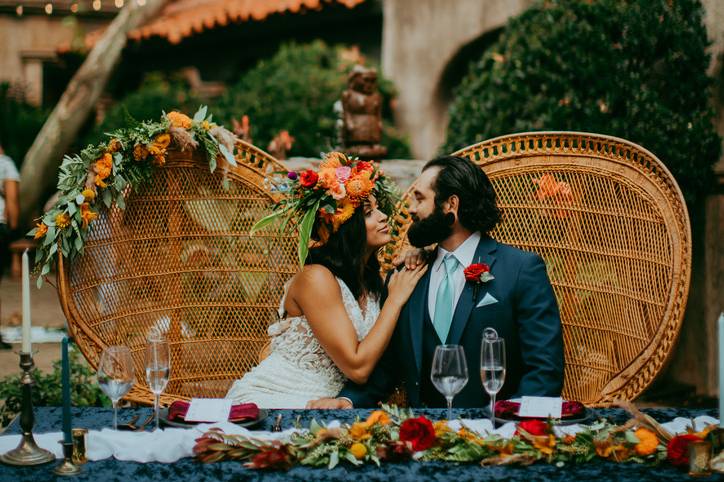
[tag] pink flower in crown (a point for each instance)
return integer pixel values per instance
(343, 173)
(338, 192)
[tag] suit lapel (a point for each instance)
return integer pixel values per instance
(466, 302)
(418, 306)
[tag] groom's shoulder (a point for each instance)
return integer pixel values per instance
(516, 255)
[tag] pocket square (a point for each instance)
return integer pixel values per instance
(488, 299)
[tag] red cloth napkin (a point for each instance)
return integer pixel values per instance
(508, 409)
(239, 413)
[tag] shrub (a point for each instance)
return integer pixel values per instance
(295, 90)
(47, 390)
(633, 69)
(20, 122)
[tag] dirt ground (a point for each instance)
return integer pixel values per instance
(45, 311)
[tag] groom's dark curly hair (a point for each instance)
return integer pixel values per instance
(344, 255)
(478, 209)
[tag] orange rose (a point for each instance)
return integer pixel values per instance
(177, 119)
(328, 178)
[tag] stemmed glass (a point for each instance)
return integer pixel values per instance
(115, 375)
(449, 372)
(158, 366)
(492, 369)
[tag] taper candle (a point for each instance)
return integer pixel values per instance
(27, 346)
(721, 370)
(66, 391)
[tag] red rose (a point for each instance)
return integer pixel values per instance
(677, 450)
(364, 166)
(534, 427)
(475, 271)
(308, 178)
(419, 432)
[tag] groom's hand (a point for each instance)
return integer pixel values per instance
(329, 404)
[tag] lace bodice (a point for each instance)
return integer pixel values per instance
(293, 338)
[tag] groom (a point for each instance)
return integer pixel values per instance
(453, 204)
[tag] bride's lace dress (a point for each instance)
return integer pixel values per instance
(298, 369)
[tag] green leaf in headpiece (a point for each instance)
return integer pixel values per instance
(305, 232)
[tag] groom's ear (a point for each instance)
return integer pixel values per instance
(453, 204)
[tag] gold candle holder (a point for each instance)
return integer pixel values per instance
(79, 457)
(27, 452)
(67, 467)
(699, 458)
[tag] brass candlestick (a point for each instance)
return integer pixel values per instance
(27, 452)
(67, 467)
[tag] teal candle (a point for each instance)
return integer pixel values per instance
(66, 391)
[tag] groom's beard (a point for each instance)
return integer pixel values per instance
(431, 230)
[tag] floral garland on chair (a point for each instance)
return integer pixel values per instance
(104, 173)
(392, 435)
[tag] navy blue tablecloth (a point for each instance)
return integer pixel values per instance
(49, 419)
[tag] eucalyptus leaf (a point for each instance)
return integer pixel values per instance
(120, 202)
(107, 198)
(264, 222)
(228, 155)
(305, 232)
(333, 460)
(200, 114)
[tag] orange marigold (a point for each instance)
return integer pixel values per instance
(42, 230)
(359, 431)
(89, 194)
(62, 221)
(178, 119)
(114, 146)
(441, 427)
(86, 214)
(140, 152)
(648, 442)
(358, 450)
(359, 186)
(378, 416)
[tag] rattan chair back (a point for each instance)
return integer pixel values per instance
(612, 226)
(179, 258)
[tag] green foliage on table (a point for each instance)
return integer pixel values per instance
(634, 69)
(47, 390)
(295, 90)
(157, 93)
(19, 122)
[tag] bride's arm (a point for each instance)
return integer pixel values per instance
(317, 294)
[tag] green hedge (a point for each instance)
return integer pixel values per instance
(295, 90)
(634, 69)
(20, 122)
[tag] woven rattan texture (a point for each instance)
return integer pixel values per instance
(612, 226)
(180, 258)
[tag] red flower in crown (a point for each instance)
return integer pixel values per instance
(478, 273)
(308, 178)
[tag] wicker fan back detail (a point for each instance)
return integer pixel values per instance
(612, 226)
(180, 258)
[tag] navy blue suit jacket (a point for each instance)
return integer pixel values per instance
(525, 315)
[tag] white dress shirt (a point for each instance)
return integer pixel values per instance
(464, 254)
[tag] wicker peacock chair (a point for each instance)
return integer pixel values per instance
(180, 258)
(612, 226)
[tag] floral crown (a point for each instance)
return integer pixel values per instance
(329, 196)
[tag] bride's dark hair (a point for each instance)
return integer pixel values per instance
(344, 255)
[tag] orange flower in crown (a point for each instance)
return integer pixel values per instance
(320, 202)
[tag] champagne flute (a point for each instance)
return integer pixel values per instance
(115, 375)
(158, 366)
(492, 369)
(449, 372)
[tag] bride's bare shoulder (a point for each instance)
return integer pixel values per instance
(314, 278)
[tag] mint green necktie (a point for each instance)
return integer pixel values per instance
(444, 302)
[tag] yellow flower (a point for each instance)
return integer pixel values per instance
(358, 431)
(545, 443)
(648, 442)
(378, 416)
(178, 119)
(345, 210)
(62, 221)
(114, 146)
(358, 450)
(42, 229)
(162, 140)
(441, 428)
(206, 126)
(86, 215)
(89, 194)
(140, 152)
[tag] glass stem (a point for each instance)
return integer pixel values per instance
(115, 414)
(155, 407)
(449, 407)
(492, 409)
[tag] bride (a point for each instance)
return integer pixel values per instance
(331, 326)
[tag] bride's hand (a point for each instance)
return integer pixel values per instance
(412, 257)
(403, 282)
(329, 404)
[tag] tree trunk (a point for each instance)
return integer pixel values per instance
(41, 162)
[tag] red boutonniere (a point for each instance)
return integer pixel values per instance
(478, 273)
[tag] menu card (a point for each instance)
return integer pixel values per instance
(208, 410)
(541, 407)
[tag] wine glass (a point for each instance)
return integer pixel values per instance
(449, 372)
(158, 366)
(492, 369)
(115, 375)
